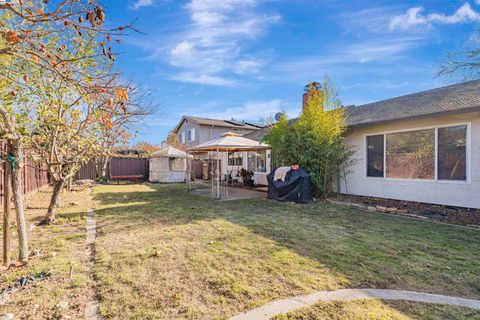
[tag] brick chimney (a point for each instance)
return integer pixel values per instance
(311, 89)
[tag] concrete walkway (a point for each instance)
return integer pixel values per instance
(278, 307)
(92, 307)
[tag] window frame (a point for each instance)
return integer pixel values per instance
(191, 135)
(255, 160)
(181, 137)
(468, 150)
(237, 158)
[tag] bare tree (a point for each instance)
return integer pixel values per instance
(462, 65)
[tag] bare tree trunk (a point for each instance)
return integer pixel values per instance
(57, 189)
(7, 186)
(102, 168)
(18, 197)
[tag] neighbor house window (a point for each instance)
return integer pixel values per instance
(452, 153)
(411, 154)
(191, 135)
(257, 161)
(235, 159)
(375, 158)
(181, 137)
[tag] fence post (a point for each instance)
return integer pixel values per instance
(6, 206)
(25, 183)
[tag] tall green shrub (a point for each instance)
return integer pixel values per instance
(316, 140)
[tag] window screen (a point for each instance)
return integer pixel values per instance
(375, 156)
(452, 164)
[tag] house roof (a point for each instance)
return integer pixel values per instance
(218, 123)
(457, 98)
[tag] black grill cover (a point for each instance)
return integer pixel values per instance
(295, 188)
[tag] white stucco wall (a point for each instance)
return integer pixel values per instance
(456, 193)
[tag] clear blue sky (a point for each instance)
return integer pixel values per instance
(248, 59)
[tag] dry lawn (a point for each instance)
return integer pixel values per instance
(166, 254)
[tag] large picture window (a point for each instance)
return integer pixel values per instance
(411, 154)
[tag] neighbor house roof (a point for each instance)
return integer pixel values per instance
(457, 98)
(218, 123)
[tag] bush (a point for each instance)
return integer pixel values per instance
(316, 140)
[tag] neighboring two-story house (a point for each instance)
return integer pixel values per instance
(193, 131)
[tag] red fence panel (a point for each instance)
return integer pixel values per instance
(87, 171)
(34, 177)
(128, 169)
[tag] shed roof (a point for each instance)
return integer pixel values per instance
(169, 152)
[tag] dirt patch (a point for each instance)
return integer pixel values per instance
(447, 214)
(57, 250)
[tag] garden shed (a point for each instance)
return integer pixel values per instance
(168, 165)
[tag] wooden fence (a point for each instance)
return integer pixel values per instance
(128, 169)
(87, 171)
(34, 177)
(118, 168)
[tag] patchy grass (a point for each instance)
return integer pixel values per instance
(380, 310)
(166, 254)
(54, 249)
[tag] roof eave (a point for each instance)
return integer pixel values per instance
(415, 117)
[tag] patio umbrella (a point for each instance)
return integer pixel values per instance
(230, 142)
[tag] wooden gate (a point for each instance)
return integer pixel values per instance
(128, 169)
(197, 168)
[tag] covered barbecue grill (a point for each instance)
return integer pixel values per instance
(296, 187)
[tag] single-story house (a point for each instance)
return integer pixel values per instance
(422, 147)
